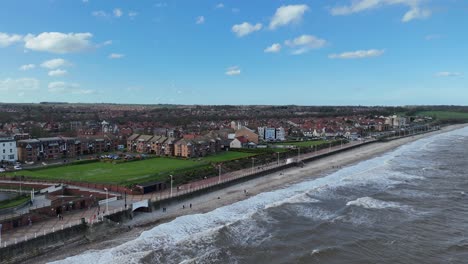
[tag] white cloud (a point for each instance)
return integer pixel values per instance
(22, 84)
(117, 12)
(27, 67)
(448, 74)
(415, 11)
(358, 54)
(274, 48)
(57, 73)
(200, 20)
(288, 14)
(99, 13)
(220, 5)
(234, 70)
(64, 87)
(56, 42)
(132, 14)
(55, 63)
(246, 28)
(305, 43)
(116, 56)
(9, 39)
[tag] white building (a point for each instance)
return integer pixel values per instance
(271, 134)
(8, 151)
(395, 121)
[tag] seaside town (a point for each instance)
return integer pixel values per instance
(112, 128)
(72, 166)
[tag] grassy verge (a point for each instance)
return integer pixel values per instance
(19, 200)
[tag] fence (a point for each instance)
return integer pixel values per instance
(194, 187)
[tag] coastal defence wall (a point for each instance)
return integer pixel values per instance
(25, 250)
(84, 233)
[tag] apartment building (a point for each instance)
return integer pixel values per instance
(8, 151)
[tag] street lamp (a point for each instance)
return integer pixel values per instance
(253, 164)
(278, 157)
(107, 200)
(171, 184)
(219, 177)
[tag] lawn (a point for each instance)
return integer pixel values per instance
(444, 115)
(228, 156)
(304, 144)
(14, 202)
(121, 173)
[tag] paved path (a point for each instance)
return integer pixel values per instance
(93, 214)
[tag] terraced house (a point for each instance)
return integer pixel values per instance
(199, 146)
(41, 149)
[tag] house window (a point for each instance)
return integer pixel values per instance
(11, 150)
(11, 157)
(3, 150)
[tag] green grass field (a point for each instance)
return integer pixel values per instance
(444, 115)
(227, 156)
(304, 144)
(121, 173)
(14, 202)
(129, 172)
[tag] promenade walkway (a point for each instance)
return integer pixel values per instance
(93, 215)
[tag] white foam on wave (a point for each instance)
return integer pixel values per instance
(184, 228)
(371, 203)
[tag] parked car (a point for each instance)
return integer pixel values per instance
(17, 167)
(2, 170)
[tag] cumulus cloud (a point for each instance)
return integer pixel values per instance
(356, 6)
(57, 73)
(274, 48)
(9, 39)
(232, 71)
(200, 20)
(220, 5)
(358, 54)
(448, 74)
(55, 63)
(22, 84)
(56, 42)
(116, 56)
(132, 14)
(288, 14)
(64, 87)
(27, 67)
(305, 43)
(246, 28)
(117, 12)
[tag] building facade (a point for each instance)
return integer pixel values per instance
(8, 151)
(271, 134)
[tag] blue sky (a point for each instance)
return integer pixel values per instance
(310, 52)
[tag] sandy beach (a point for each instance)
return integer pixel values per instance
(210, 201)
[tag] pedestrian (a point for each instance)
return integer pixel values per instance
(183, 206)
(190, 206)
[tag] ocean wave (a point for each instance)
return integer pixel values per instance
(165, 237)
(371, 203)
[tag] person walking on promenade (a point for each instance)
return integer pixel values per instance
(190, 206)
(183, 206)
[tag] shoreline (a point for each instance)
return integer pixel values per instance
(121, 233)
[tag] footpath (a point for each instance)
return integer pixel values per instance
(95, 214)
